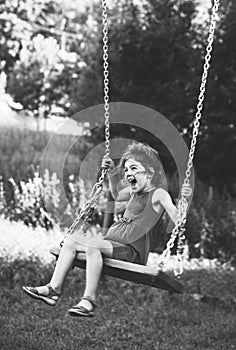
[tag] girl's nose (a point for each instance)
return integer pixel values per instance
(129, 173)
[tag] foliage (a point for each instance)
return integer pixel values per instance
(216, 152)
(156, 54)
(33, 38)
(33, 70)
(144, 48)
(29, 200)
(211, 228)
(19, 242)
(38, 202)
(156, 51)
(23, 150)
(20, 150)
(10, 44)
(22, 155)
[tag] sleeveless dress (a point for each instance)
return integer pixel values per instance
(133, 229)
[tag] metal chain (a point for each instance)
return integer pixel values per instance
(106, 78)
(201, 96)
(179, 228)
(86, 212)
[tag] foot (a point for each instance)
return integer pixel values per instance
(84, 308)
(43, 293)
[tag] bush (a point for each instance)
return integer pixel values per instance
(22, 151)
(25, 194)
(211, 227)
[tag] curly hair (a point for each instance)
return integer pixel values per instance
(148, 156)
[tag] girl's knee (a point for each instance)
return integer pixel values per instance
(69, 244)
(92, 247)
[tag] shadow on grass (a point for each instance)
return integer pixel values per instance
(130, 316)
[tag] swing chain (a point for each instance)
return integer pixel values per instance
(90, 205)
(106, 78)
(99, 184)
(201, 97)
(179, 229)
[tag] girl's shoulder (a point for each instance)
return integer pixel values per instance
(159, 191)
(159, 195)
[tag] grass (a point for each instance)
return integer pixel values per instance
(130, 316)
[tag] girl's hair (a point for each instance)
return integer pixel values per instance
(149, 157)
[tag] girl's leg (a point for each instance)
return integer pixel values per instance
(64, 263)
(94, 265)
(94, 249)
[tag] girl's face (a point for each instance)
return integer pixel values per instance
(137, 175)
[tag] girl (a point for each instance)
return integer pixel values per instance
(127, 239)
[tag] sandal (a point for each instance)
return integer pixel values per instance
(78, 310)
(50, 299)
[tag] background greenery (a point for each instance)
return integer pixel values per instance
(156, 57)
(211, 225)
(52, 54)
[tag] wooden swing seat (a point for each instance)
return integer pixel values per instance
(132, 272)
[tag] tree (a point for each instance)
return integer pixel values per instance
(37, 78)
(10, 42)
(151, 57)
(156, 53)
(217, 148)
(156, 56)
(152, 51)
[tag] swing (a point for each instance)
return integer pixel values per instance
(129, 271)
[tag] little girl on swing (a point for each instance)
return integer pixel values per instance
(127, 239)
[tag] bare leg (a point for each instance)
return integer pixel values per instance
(64, 263)
(94, 248)
(94, 251)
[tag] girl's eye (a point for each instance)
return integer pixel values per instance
(132, 168)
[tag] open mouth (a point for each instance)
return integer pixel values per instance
(132, 180)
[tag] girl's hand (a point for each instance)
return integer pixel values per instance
(186, 191)
(107, 163)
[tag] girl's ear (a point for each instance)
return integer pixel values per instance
(151, 171)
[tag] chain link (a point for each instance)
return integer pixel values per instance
(88, 209)
(106, 78)
(179, 228)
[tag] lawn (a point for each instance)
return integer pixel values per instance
(130, 316)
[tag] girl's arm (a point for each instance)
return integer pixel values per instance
(162, 197)
(119, 192)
